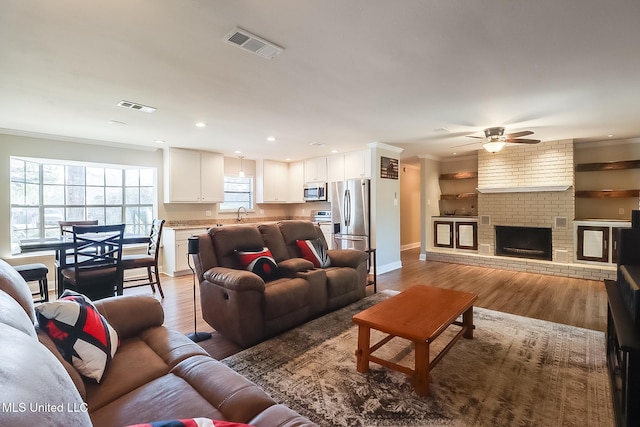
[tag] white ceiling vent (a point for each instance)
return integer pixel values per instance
(134, 106)
(252, 43)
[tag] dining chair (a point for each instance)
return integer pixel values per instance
(36, 272)
(66, 229)
(148, 260)
(96, 270)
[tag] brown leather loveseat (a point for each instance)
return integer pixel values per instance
(156, 373)
(247, 308)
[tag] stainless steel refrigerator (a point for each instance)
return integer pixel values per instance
(350, 212)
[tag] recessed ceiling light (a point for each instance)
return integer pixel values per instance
(159, 141)
(334, 151)
(237, 152)
(610, 135)
(288, 159)
(201, 124)
(271, 138)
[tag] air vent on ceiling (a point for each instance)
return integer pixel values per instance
(317, 144)
(252, 43)
(134, 106)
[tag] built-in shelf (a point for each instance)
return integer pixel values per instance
(459, 196)
(608, 194)
(608, 166)
(459, 175)
(536, 189)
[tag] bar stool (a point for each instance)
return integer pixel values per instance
(36, 272)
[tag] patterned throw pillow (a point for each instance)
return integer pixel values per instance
(259, 261)
(80, 332)
(191, 422)
(314, 251)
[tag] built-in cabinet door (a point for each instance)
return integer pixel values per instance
(315, 170)
(182, 175)
(296, 182)
(211, 177)
(357, 164)
(335, 168)
(593, 243)
(467, 235)
(443, 234)
(272, 181)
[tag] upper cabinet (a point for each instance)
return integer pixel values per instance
(296, 182)
(357, 164)
(192, 176)
(315, 170)
(335, 168)
(279, 182)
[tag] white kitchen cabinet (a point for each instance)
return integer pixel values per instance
(357, 164)
(296, 182)
(193, 176)
(455, 232)
(315, 170)
(335, 168)
(175, 249)
(272, 181)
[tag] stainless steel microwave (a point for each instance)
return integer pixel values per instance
(315, 191)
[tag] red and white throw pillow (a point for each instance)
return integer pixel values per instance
(191, 422)
(314, 251)
(259, 261)
(81, 334)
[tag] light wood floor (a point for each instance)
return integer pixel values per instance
(575, 302)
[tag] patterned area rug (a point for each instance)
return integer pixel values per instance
(516, 371)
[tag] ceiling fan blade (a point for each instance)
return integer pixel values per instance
(523, 141)
(519, 134)
(477, 137)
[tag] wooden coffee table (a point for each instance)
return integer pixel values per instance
(419, 314)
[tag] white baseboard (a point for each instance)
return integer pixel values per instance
(381, 269)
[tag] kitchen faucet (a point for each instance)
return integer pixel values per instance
(239, 219)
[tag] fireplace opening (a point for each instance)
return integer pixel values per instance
(523, 242)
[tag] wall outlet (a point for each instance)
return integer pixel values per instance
(621, 211)
(207, 213)
(261, 211)
(304, 211)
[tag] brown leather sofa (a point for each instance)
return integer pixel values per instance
(156, 373)
(244, 308)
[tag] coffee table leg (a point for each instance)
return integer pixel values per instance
(363, 351)
(467, 321)
(421, 381)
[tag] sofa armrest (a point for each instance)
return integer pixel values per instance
(234, 280)
(131, 314)
(294, 265)
(347, 257)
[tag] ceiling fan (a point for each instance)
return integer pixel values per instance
(495, 138)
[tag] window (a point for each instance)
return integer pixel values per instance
(44, 192)
(238, 192)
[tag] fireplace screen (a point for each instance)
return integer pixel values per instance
(523, 242)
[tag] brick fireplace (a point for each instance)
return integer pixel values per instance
(528, 186)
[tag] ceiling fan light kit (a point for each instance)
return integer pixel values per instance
(493, 146)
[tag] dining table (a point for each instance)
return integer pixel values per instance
(64, 243)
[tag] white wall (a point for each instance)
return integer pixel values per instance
(385, 210)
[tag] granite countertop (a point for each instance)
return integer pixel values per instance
(219, 222)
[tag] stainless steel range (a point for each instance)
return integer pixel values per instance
(323, 219)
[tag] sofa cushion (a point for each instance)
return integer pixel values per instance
(284, 296)
(294, 230)
(313, 250)
(30, 374)
(273, 240)
(226, 240)
(259, 261)
(80, 332)
(13, 314)
(12, 283)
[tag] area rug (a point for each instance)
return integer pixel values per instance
(516, 371)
